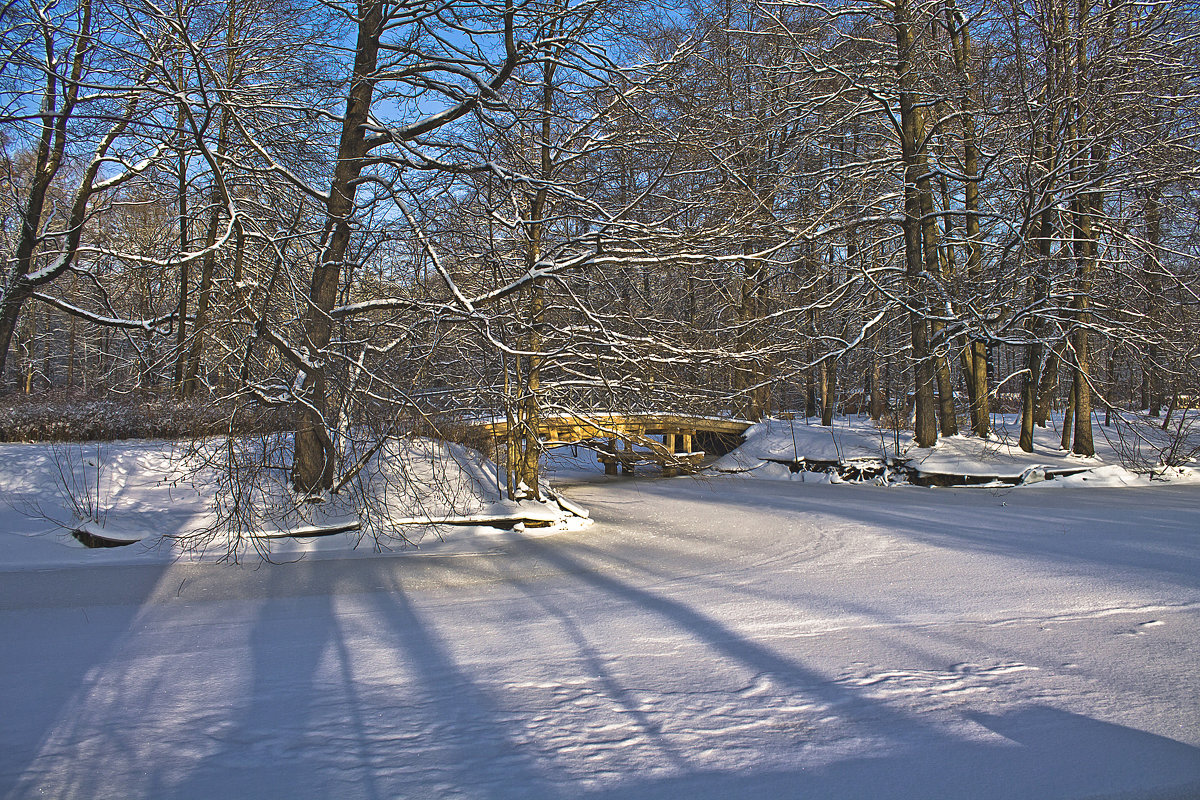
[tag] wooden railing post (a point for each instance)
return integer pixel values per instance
(669, 470)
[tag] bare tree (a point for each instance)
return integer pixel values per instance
(73, 97)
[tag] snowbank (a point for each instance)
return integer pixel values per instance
(175, 502)
(796, 450)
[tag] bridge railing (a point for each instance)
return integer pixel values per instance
(564, 398)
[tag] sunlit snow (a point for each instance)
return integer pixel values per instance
(715, 636)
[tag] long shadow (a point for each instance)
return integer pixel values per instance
(284, 727)
(596, 664)
(473, 739)
(1023, 525)
(702, 571)
(1056, 753)
(1039, 731)
(1080, 528)
(742, 650)
(1045, 753)
(59, 628)
(264, 704)
(884, 623)
(324, 716)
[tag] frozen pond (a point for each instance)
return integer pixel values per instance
(714, 637)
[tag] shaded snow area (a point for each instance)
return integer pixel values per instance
(705, 637)
(794, 450)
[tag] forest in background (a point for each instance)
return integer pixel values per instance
(345, 222)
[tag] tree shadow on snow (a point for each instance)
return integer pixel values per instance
(1038, 752)
(1044, 752)
(61, 629)
(1078, 528)
(342, 682)
(353, 694)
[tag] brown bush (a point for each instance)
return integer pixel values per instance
(66, 417)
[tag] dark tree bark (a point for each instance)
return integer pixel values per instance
(315, 459)
(918, 249)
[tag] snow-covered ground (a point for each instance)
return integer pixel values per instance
(161, 497)
(705, 637)
(1126, 455)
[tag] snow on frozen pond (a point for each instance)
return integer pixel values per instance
(705, 638)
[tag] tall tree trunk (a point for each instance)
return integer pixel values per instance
(530, 473)
(1090, 163)
(208, 267)
(530, 407)
(1048, 385)
(314, 458)
(828, 390)
(949, 272)
(1152, 382)
(977, 376)
(1083, 212)
(917, 248)
(931, 250)
(1081, 391)
(1041, 201)
(185, 264)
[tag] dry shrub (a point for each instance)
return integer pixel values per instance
(63, 417)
